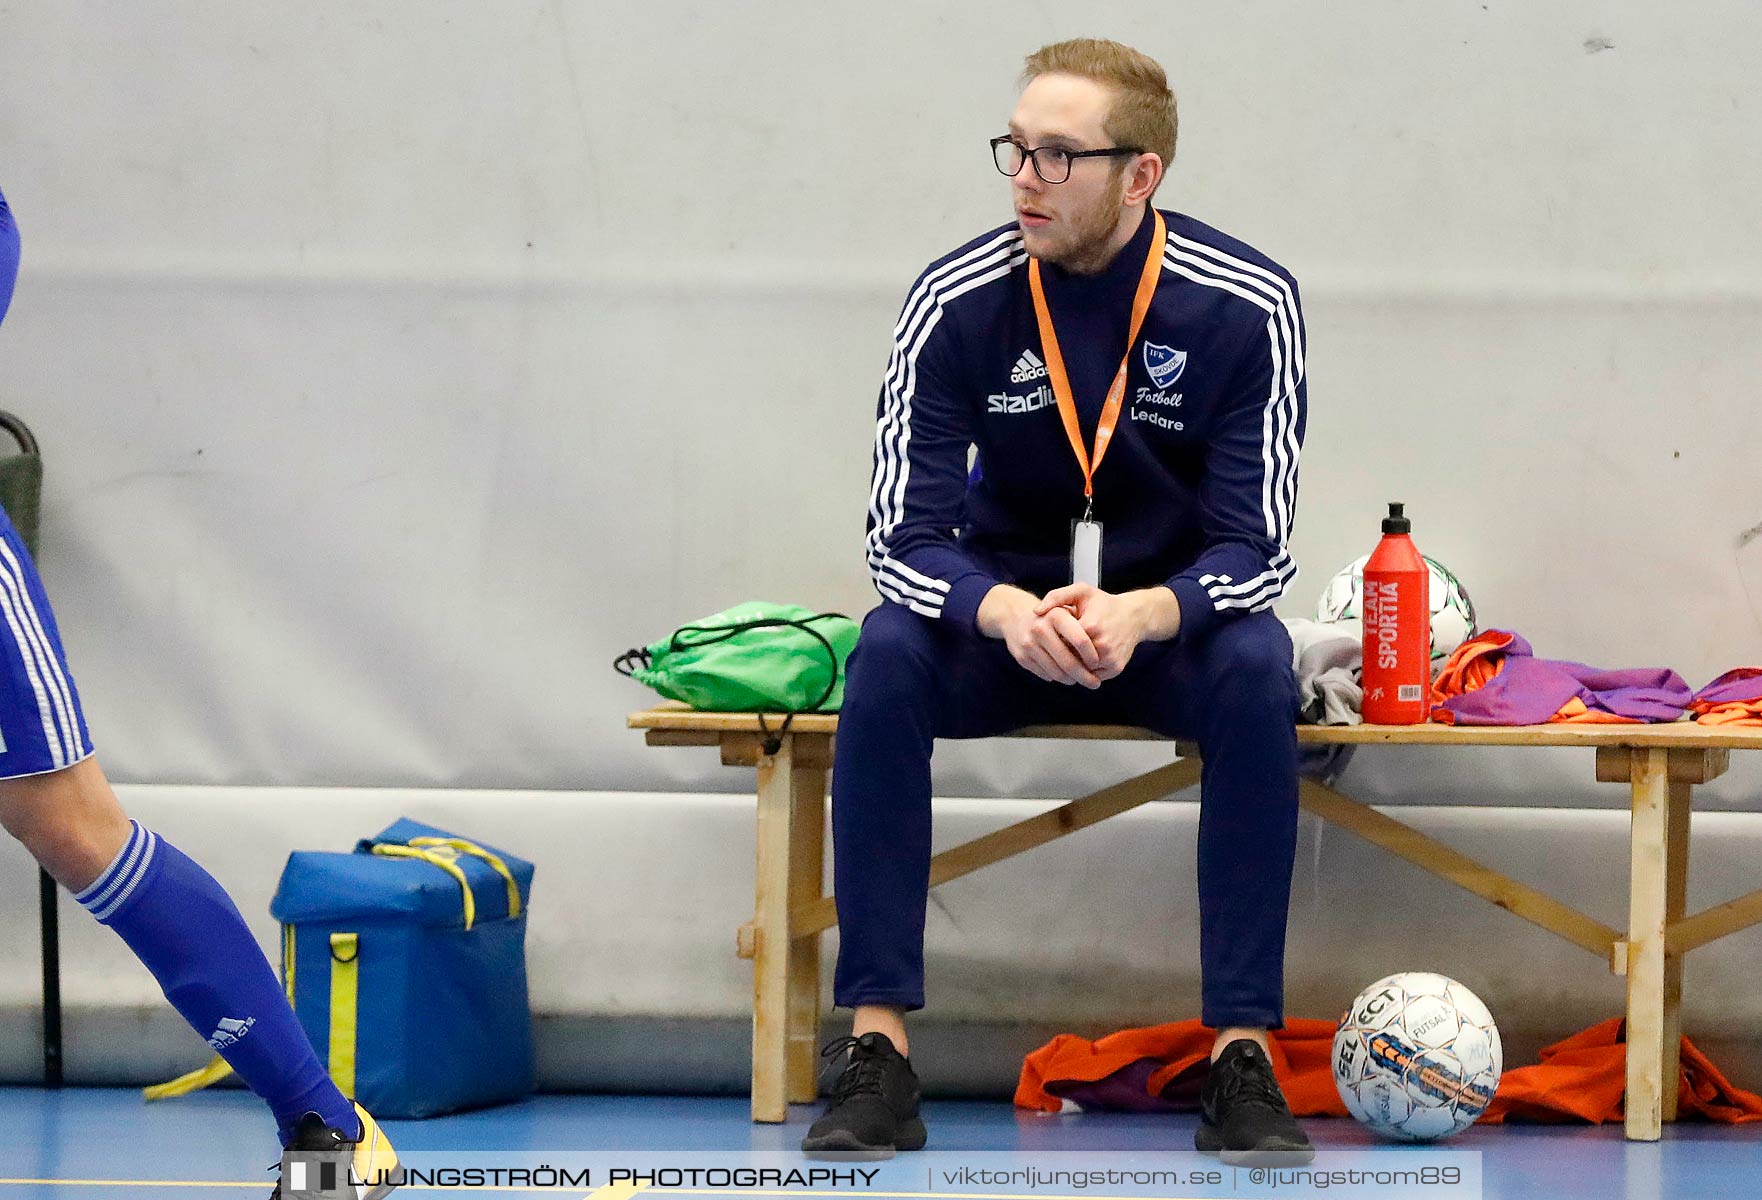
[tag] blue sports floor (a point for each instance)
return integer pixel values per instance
(105, 1144)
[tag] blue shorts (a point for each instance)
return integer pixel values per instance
(41, 726)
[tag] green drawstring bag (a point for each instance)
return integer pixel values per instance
(754, 657)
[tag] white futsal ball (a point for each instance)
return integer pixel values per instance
(1453, 620)
(1417, 1057)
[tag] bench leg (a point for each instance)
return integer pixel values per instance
(807, 882)
(770, 943)
(1675, 907)
(1647, 902)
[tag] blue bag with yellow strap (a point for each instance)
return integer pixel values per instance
(406, 963)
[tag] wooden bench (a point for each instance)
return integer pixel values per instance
(1661, 763)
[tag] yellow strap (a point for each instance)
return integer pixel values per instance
(434, 858)
(345, 988)
(195, 1081)
(287, 961)
(476, 851)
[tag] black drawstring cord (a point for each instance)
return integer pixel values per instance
(773, 742)
(626, 663)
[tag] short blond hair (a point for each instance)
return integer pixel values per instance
(1143, 112)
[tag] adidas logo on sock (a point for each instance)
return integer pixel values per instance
(1027, 367)
(229, 1031)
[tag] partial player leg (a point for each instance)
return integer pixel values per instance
(182, 925)
(179, 922)
(1235, 693)
(910, 680)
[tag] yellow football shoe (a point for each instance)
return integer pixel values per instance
(373, 1167)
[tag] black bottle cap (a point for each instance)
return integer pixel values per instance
(1396, 522)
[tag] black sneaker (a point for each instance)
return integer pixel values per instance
(1244, 1117)
(373, 1160)
(874, 1106)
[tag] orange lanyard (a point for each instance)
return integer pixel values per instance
(1061, 382)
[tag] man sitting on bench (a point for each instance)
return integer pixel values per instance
(1006, 606)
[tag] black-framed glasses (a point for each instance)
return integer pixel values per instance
(1051, 163)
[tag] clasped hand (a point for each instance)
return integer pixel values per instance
(1076, 634)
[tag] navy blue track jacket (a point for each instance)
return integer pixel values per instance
(1199, 485)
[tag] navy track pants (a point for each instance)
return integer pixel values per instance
(913, 678)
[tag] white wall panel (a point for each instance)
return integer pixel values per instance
(399, 363)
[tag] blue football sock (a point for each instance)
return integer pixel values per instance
(186, 929)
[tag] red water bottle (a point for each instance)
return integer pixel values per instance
(1397, 628)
